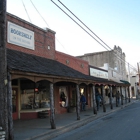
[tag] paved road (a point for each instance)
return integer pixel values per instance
(121, 125)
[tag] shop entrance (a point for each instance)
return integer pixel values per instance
(133, 91)
(15, 103)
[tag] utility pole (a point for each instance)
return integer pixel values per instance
(3, 70)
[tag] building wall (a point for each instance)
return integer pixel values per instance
(113, 58)
(73, 62)
(134, 80)
(97, 59)
(113, 74)
(119, 65)
(42, 38)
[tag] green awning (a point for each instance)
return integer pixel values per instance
(125, 82)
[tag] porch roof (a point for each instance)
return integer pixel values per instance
(31, 63)
(24, 62)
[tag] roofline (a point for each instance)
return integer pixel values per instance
(16, 17)
(98, 68)
(88, 54)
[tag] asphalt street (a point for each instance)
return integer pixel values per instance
(121, 125)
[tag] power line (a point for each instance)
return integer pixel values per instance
(78, 24)
(39, 13)
(74, 21)
(26, 11)
(28, 14)
(91, 31)
(88, 29)
(84, 24)
(47, 24)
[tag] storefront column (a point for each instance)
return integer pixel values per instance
(103, 92)
(94, 100)
(129, 94)
(125, 96)
(136, 90)
(121, 96)
(111, 105)
(78, 102)
(19, 99)
(52, 121)
(116, 98)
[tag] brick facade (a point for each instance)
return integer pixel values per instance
(42, 38)
(73, 62)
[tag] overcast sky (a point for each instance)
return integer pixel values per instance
(116, 22)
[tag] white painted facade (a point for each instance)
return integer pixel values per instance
(111, 61)
(135, 89)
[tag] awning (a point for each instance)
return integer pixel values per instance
(125, 82)
(24, 62)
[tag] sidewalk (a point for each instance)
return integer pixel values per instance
(40, 129)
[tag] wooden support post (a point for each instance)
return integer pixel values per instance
(111, 105)
(116, 98)
(94, 100)
(125, 96)
(103, 92)
(129, 94)
(121, 96)
(78, 102)
(52, 120)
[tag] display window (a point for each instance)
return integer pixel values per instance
(35, 99)
(63, 97)
(38, 97)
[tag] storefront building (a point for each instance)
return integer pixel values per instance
(43, 80)
(135, 90)
(33, 65)
(113, 62)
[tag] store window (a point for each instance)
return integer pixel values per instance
(34, 98)
(63, 97)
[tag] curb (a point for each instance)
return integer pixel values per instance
(55, 132)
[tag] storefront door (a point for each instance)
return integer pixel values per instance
(15, 103)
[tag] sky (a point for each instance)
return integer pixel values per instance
(116, 22)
